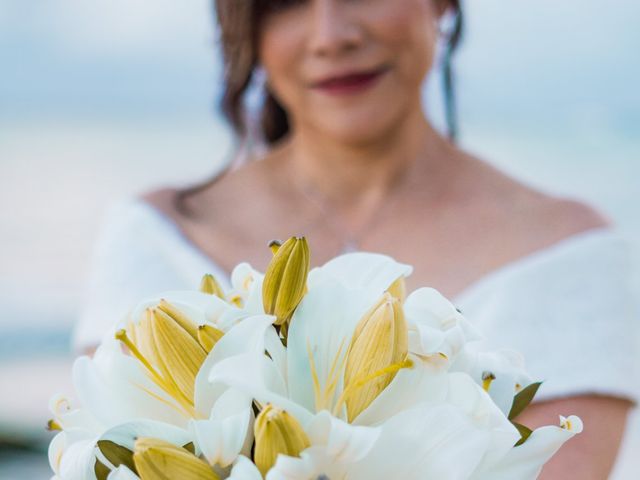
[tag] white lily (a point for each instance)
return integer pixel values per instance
(501, 373)
(67, 416)
(244, 469)
(525, 462)
(308, 381)
(227, 431)
(74, 453)
(71, 454)
(361, 270)
(436, 327)
(246, 288)
(122, 473)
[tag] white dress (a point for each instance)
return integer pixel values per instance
(568, 308)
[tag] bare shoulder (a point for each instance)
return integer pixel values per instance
(226, 213)
(531, 217)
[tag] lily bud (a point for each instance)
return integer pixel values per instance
(285, 279)
(377, 351)
(276, 432)
(210, 285)
(159, 460)
(208, 336)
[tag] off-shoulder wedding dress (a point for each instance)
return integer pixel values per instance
(568, 308)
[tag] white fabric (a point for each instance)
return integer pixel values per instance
(139, 253)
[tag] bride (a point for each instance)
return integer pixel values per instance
(353, 163)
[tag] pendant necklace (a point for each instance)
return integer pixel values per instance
(350, 241)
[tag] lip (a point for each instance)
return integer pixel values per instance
(350, 83)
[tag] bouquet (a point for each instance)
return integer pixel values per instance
(300, 374)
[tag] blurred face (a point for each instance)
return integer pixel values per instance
(348, 68)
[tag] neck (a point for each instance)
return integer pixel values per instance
(354, 174)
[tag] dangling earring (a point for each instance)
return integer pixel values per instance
(253, 104)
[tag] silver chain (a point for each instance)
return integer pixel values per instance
(351, 241)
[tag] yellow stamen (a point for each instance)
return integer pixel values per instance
(359, 383)
(487, 379)
(53, 426)
(324, 397)
(236, 300)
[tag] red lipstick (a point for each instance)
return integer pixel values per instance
(349, 83)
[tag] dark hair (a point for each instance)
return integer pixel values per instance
(238, 21)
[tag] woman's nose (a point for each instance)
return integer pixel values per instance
(332, 30)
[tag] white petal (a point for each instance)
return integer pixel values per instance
(223, 435)
(478, 406)
(344, 443)
(248, 336)
(313, 463)
(426, 381)
(361, 270)
(122, 473)
(507, 366)
(247, 282)
(69, 416)
(114, 389)
(244, 469)
(61, 444)
(526, 461)
(435, 326)
(429, 441)
(322, 326)
(73, 455)
(257, 376)
(127, 433)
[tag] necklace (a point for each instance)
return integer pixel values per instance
(350, 240)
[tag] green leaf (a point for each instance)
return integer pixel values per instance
(190, 447)
(525, 433)
(101, 470)
(523, 399)
(117, 454)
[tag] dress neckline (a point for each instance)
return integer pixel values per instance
(500, 274)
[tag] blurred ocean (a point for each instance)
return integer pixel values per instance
(103, 99)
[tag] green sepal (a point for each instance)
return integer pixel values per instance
(101, 470)
(524, 431)
(522, 400)
(190, 447)
(117, 454)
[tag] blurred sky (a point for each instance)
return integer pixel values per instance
(104, 98)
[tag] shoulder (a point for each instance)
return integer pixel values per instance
(527, 212)
(557, 214)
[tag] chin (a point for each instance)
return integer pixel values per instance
(359, 126)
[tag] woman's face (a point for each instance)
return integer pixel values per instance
(348, 68)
